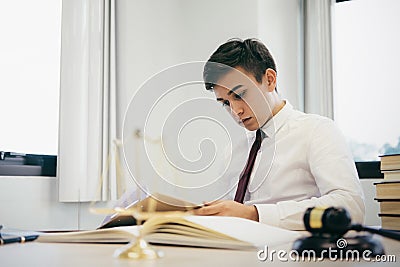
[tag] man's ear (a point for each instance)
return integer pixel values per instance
(270, 79)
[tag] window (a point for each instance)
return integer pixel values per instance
(29, 71)
(366, 88)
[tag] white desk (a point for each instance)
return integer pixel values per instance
(51, 254)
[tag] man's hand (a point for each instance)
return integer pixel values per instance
(228, 208)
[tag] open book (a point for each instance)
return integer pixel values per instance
(199, 231)
(155, 202)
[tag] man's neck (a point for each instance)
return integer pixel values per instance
(278, 107)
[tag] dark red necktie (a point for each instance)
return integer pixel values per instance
(245, 176)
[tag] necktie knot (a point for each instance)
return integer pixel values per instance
(259, 138)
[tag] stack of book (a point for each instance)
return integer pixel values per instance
(388, 192)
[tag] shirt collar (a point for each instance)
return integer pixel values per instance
(278, 120)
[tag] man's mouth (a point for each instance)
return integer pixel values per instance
(243, 121)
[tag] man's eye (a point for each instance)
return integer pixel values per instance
(240, 95)
(225, 103)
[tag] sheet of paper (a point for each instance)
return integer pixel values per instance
(253, 232)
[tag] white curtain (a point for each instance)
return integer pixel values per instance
(318, 66)
(88, 145)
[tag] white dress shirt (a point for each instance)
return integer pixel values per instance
(303, 162)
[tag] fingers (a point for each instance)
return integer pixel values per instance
(227, 208)
(212, 202)
(211, 209)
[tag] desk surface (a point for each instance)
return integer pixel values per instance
(52, 254)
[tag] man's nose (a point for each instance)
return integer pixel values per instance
(237, 109)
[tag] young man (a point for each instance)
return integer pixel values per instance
(297, 160)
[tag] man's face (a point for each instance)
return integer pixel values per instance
(245, 98)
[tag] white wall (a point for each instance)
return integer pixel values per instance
(280, 28)
(31, 203)
(371, 205)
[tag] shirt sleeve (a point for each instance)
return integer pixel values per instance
(332, 166)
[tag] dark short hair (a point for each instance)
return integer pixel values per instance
(250, 54)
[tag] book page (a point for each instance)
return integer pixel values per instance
(230, 229)
(108, 235)
(249, 231)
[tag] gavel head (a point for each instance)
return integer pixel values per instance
(323, 220)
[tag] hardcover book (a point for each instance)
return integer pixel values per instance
(199, 231)
(387, 189)
(390, 162)
(390, 221)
